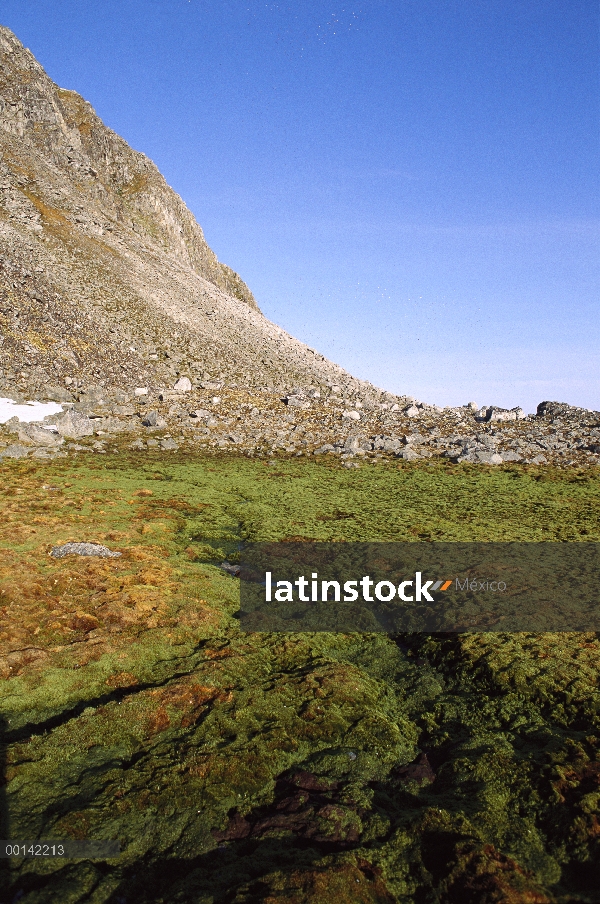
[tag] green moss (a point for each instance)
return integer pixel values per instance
(242, 767)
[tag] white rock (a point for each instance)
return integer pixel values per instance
(488, 458)
(184, 384)
(352, 415)
(412, 411)
(141, 390)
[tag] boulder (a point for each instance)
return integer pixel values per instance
(39, 435)
(322, 450)
(512, 456)
(494, 414)
(14, 451)
(487, 458)
(387, 444)
(83, 549)
(57, 394)
(296, 401)
(352, 444)
(153, 419)
(409, 454)
(561, 409)
(73, 424)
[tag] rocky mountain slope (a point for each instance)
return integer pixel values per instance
(112, 302)
(105, 274)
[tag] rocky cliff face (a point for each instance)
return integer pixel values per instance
(105, 276)
(115, 183)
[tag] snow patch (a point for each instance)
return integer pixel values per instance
(30, 411)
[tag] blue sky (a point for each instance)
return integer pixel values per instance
(410, 186)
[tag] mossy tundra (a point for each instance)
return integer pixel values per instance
(314, 768)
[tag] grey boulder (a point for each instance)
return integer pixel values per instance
(409, 454)
(57, 394)
(83, 549)
(39, 435)
(487, 458)
(13, 451)
(499, 415)
(153, 419)
(73, 424)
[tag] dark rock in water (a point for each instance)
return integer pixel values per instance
(84, 549)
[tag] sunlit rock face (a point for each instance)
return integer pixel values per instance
(104, 272)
